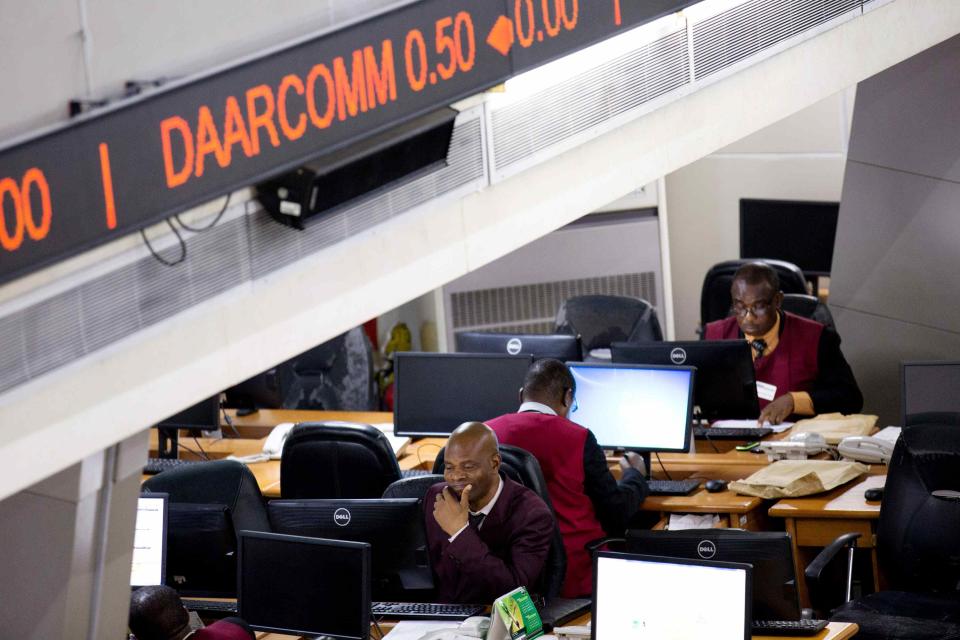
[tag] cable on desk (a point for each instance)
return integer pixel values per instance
(429, 444)
(226, 203)
(201, 454)
(161, 259)
(229, 421)
(665, 472)
(376, 625)
(712, 443)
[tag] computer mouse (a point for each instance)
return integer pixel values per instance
(873, 494)
(714, 486)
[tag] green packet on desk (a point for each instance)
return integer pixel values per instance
(515, 617)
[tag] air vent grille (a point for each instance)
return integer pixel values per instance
(531, 308)
(590, 98)
(740, 32)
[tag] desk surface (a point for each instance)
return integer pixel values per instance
(846, 502)
(834, 631)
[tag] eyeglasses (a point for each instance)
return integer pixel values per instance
(573, 404)
(758, 308)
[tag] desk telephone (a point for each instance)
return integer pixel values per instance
(272, 448)
(474, 627)
(869, 449)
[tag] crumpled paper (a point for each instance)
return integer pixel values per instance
(794, 478)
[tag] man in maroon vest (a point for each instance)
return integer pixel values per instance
(157, 613)
(588, 501)
(486, 534)
(800, 368)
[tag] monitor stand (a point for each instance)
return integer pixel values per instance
(167, 442)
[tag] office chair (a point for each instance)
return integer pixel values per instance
(601, 320)
(209, 504)
(335, 376)
(521, 466)
(336, 460)
(917, 543)
(808, 306)
(932, 417)
(715, 301)
(412, 487)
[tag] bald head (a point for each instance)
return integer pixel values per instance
(472, 457)
(157, 613)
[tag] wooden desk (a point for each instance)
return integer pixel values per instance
(816, 521)
(834, 631)
(259, 423)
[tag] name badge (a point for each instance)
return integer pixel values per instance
(766, 391)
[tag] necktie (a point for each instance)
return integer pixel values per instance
(476, 519)
(759, 346)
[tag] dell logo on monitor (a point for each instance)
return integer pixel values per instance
(706, 549)
(513, 346)
(678, 356)
(341, 517)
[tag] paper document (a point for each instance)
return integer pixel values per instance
(749, 424)
(415, 629)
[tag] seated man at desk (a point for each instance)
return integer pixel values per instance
(157, 613)
(486, 534)
(800, 368)
(587, 499)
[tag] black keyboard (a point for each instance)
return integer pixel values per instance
(223, 607)
(672, 487)
(157, 465)
(426, 610)
(788, 627)
(733, 433)
(413, 473)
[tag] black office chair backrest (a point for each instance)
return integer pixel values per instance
(336, 460)
(715, 298)
(209, 504)
(933, 417)
(412, 487)
(602, 320)
(338, 375)
(521, 466)
(808, 306)
(919, 527)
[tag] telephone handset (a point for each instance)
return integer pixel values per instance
(869, 449)
(273, 447)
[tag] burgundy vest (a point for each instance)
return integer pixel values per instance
(557, 444)
(793, 364)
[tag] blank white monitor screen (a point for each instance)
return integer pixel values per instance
(637, 407)
(647, 597)
(149, 540)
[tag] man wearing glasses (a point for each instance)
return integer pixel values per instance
(588, 501)
(800, 368)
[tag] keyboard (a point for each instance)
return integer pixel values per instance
(672, 487)
(426, 610)
(788, 627)
(413, 473)
(157, 465)
(223, 607)
(732, 433)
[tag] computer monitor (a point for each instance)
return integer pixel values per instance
(263, 391)
(770, 554)
(558, 346)
(201, 416)
(637, 407)
(640, 596)
(929, 387)
(150, 541)
(393, 528)
(304, 586)
(726, 386)
(797, 231)
(201, 550)
(437, 392)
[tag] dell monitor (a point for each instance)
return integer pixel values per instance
(393, 528)
(792, 230)
(930, 392)
(150, 541)
(304, 586)
(558, 346)
(641, 596)
(770, 553)
(641, 408)
(437, 392)
(201, 550)
(201, 416)
(726, 386)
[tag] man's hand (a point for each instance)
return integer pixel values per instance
(777, 411)
(632, 459)
(450, 513)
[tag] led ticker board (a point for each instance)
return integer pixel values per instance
(126, 167)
